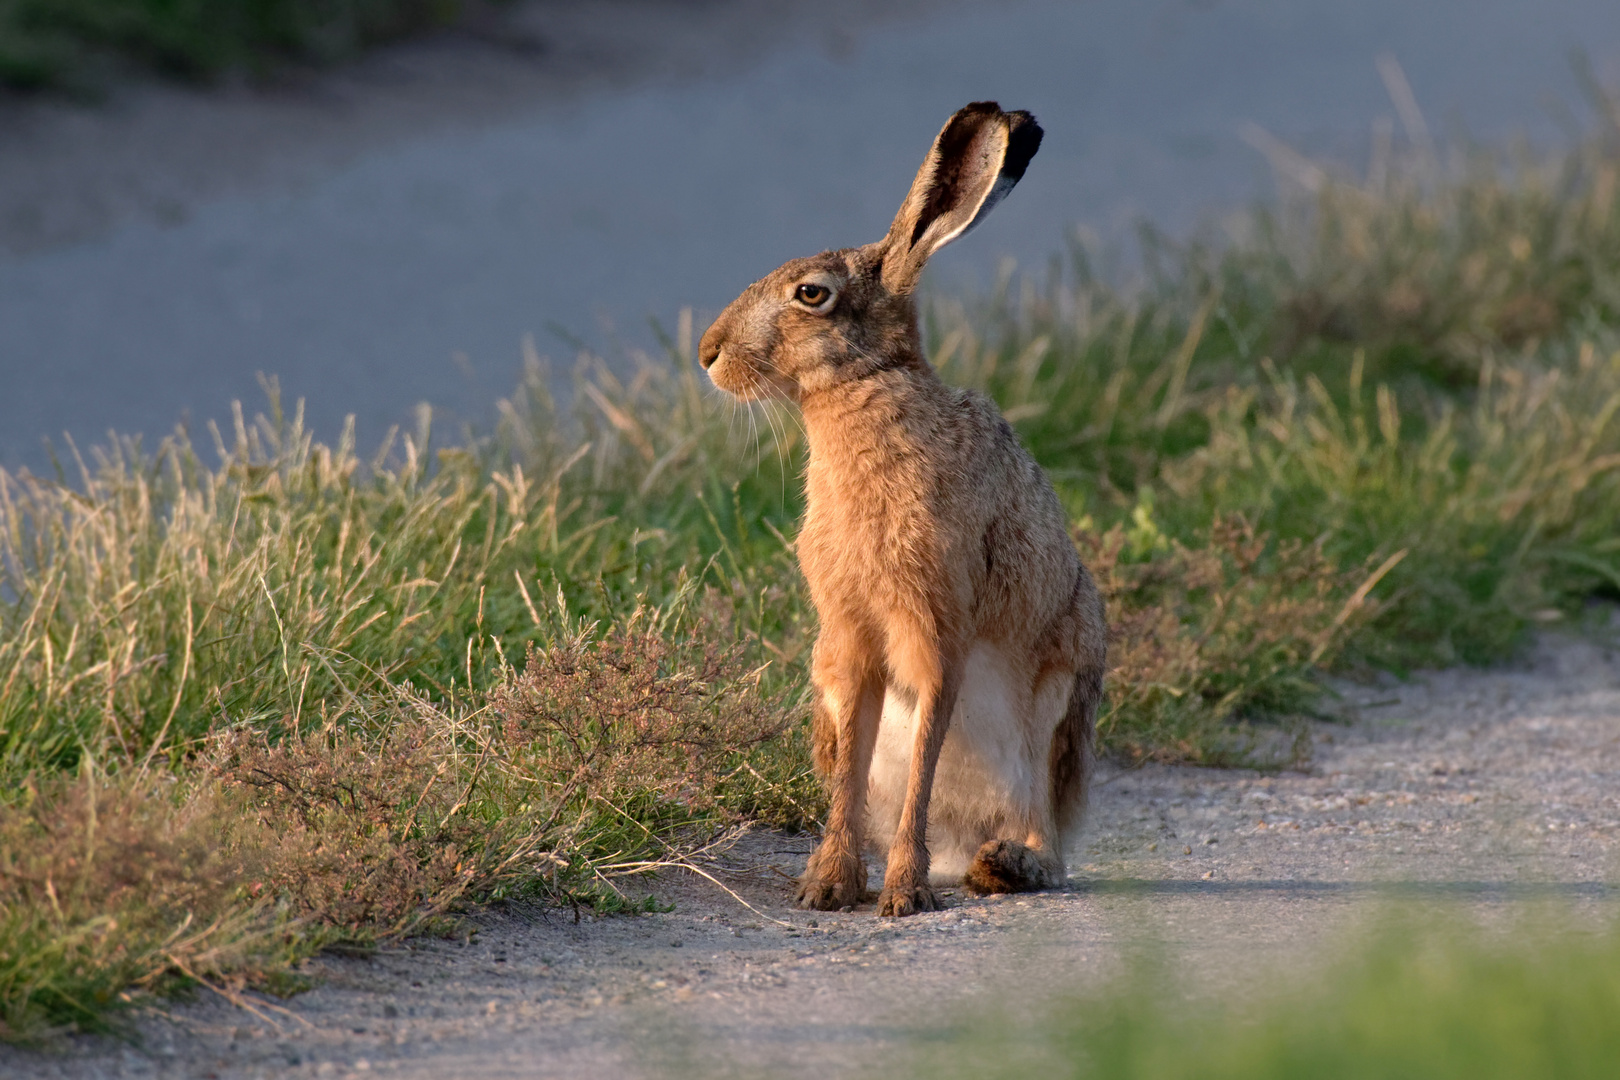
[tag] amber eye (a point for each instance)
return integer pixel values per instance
(812, 295)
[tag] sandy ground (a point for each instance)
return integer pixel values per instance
(1493, 792)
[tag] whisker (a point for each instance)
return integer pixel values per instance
(757, 391)
(765, 407)
(798, 421)
(792, 416)
(753, 424)
(779, 437)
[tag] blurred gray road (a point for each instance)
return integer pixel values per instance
(591, 165)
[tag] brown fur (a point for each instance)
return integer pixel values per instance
(931, 542)
(1005, 866)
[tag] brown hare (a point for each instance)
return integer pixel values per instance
(961, 652)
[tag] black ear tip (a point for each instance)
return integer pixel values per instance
(1023, 133)
(1023, 139)
(978, 109)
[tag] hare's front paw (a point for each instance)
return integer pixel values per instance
(908, 899)
(831, 883)
(826, 894)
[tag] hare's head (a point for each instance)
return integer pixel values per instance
(844, 314)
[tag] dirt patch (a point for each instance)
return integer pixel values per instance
(1494, 790)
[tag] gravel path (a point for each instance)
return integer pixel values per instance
(1495, 790)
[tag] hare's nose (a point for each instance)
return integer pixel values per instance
(709, 345)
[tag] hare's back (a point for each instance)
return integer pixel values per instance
(1030, 564)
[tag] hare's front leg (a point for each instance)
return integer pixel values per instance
(849, 703)
(905, 883)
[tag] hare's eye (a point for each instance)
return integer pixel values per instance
(812, 295)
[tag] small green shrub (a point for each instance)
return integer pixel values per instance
(110, 886)
(1205, 636)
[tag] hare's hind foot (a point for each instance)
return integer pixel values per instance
(831, 881)
(1006, 866)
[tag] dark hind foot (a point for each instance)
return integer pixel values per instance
(1006, 866)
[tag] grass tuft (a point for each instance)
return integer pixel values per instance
(1205, 637)
(113, 887)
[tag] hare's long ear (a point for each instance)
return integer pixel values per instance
(979, 155)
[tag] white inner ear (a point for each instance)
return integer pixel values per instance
(997, 192)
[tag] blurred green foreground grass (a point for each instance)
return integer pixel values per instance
(1435, 1004)
(57, 43)
(261, 693)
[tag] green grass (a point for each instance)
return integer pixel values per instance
(317, 660)
(1437, 1004)
(1376, 429)
(1361, 369)
(45, 43)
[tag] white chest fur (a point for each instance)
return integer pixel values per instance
(992, 769)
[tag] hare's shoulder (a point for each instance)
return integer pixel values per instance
(987, 437)
(974, 422)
